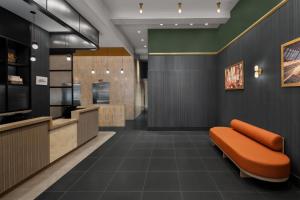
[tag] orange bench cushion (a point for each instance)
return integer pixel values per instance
(250, 155)
(267, 138)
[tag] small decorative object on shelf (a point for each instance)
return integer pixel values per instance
(15, 80)
(12, 58)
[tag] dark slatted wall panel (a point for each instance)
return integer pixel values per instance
(264, 102)
(182, 91)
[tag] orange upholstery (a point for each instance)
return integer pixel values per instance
(250, 155)
(267, 138)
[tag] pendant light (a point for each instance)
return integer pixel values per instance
(179, 7)
(219, 7)
(141, 8)
(122, 70)
(93, 71)
(68, 57)
(34, 43)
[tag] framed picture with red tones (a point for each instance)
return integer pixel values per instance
(290, 64)
(234, 76)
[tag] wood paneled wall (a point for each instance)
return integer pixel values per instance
(122, 86)
(263, 102)
(23, 152)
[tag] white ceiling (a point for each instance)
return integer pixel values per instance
(125, 15)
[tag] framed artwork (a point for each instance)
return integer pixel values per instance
(234, 77)
(290, 64)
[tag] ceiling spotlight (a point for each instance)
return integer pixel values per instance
(122, 71)
(139, 32)
(69, 58)
(161, 24)
(107, 71)
(32, 58)
(219, 7)
(179, 8)
(175, 24)
(142, 40)
(206, 24)
(141, 8)
(191, 24)
(93, 71)
(145, 46)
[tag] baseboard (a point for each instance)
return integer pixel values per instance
(296, 180)
(178, 128)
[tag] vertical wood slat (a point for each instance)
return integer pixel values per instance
(23, 152)
(87, 126)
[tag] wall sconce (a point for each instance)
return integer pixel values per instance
(257, 71)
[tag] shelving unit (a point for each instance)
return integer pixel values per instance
(17, 93)
(61, 84)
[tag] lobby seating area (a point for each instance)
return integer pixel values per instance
(257, 152)
(149, 100)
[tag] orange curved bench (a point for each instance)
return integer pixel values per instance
(258, 153)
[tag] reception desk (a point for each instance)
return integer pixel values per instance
(28, 146)
(111, 115)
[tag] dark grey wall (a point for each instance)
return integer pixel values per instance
(40, 94)
(264, 102)
(182, 91)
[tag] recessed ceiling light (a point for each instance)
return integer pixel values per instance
(191, 24)
(176, 24)
(206, 24)
(161, 24)
(142, 40)
(139, 32)
(145, 46)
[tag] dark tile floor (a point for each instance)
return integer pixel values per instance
(137, 164)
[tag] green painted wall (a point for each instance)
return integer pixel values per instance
(243, 15)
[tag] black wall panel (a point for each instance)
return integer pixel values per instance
(264, 102)
(40, 94)
(182, 91)
(14, 27)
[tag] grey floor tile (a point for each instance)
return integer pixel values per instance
(135, 164)
(163, 164)
(66, 181)
(190, 164)
(201, 196)
(196, 181)
(93, 181)
(81, 196)
(121, 196)
(162, 181)
(127, 181)
(50, 196)
(162, 196)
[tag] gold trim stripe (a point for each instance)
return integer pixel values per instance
(268, 14)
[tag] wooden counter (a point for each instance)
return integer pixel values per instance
(111, 115)
(87, 126)
(24, 150)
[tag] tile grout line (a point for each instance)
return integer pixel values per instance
(116, 171)
(148, 169)
(177, 171)
(84, 173)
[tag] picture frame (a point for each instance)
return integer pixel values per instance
(290, 63)
(235, 76)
